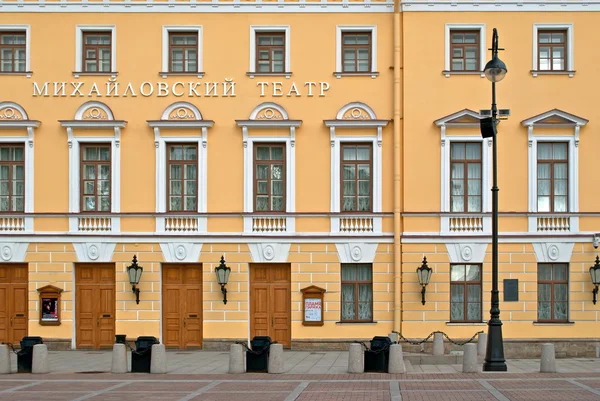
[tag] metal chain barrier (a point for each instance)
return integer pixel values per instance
(431, 335)
(265, 349)
(134, 351)
(12, 347)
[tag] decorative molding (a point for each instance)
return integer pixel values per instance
(269, 252)
(462, 118)
(181, 252)
(14, 252)
(166, 29)
(356, 252)
(553, 252)
(500, 6)
(470, 252)
(100, 252)
(482, 46)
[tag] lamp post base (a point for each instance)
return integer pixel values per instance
(494, 355)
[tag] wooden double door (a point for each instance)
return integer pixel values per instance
(13, 302)
(182, 305)
(271, 302)
(95, 305)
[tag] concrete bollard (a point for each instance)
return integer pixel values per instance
(236, 359)
(356, 362)
(158, 359)
(4, 359)
(39, 363)
(597, 351)
(396, 363)
(547, 361)
(119, 359)
(470, 363)
(275, 364)
(438, 344)
(481, 344)
(393, 337)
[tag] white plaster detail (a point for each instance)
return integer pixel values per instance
(275, 252)
(184, 252)
(570, 43)
(27, 30)
(79, 30)
(94, 108)
(266, 106)
(354, 252)
(166, 29)
(254, 29)
(471, 252)
(94, 251)
(553, 252)
(338, 47)
(13, 251)
(352, 107)
(482, 45)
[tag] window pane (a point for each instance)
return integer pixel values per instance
(191, 153)
(176, 153)
(457, 293)
(473, 151)
(175, 188)
(473, 273)
(364, 172)
(349, 153)
(277, 188)
(457, 151)
(18, 154)
(457, 311)
(543, 171)
(457, 38)
(104, 204)
(190, 203)
(262, 153)
(175, 202)
(457, 52)
(544, 272)
(190, 172)
(457, 273)
(364, 272)
(262, 171)
(349, 172)
(348, 305)
(4, 203)
(544, 37)
(544, 311)
(176, 172)
(560, 310)
(262, 188)
(362, 153)
(474, 311)
(364, 188)
(560, 204)
(4, 189)
(276, 171)
(458, 64)
(543, 187)
(458, 204)
(349, 204)
(349, 272)
(262, 203)
(190, 187)
(277, 153)
(349, 188)
(471, 37)
(277, 203)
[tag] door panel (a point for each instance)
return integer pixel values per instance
(270, 302)
(19, 311)
(4, 312)
(14, 306)
(182, 305)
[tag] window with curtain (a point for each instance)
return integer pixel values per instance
(357, 293)
(357, 164)
(12, 51)
(183, 51)
(12, 178)
(465, 178)
(552, 50)
(465, 293)
(95, 178)
(553, 292)
(97, 51)
(552, 177)
(356, 51)
(270, 52)
(269, 177)
(464, 48)
(182, 170)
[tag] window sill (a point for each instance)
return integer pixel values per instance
(77, 74)
(252, 74)
(553, 323)
(355, 322)
(535, 73)
(373, 74)
(466, 323)
(26, 73)
(165, 74)
(449, 73)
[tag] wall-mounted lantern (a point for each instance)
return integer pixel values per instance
(223, 273)
(424, 274)
(595, 273)
(135, 273)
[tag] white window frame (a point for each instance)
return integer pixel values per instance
(447, 46)
(339, 29)
(166, 29)
(254, 29)
(27, 29)
(570, 50)
(79, 30)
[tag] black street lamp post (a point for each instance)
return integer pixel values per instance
(495, 71)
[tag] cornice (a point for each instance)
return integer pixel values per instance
(500, 5)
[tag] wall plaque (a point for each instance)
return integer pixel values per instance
(50, 305)
(511, 290)
(312, 306)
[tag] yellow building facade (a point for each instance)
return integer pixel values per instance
(315, 148)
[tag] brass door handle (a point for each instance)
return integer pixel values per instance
(183, 322)
(272, 324)
(97, 322)
(11, 321)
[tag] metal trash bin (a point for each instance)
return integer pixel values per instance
(25, 355)
(377, 358)
(141, 357)
(120, 338)
(257, 360)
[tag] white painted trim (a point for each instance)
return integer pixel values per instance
(254, 29)
(269, 252)
(570, 46)
(95, 252)
(356, 105)
(185, 105)
(524, 238)
(177, 252)
(503, 6)
(19, 108)
(268, 105)
(27, 29)
(356, 252)
(165, 45)
(13, 252)
(482, 48)
(338, 45)
(79, 29)
(553, 252)
(470, 252)
(91, 105)
(539, 119)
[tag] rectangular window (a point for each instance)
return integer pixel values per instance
(270, 52)
(357, 182)
(464, 50)
(95, 178)
(553, 292)
(97, 51)
(357, 292)
(182, 170)
(183, 51)
(552, 50)
(12, 51)
(465, 178)
(12, 178)
(552, 177)
(465, 293)
(356, 51)
(269, 177)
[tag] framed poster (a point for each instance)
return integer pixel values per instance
(50, 305)
(312, 306)
(49, 310)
